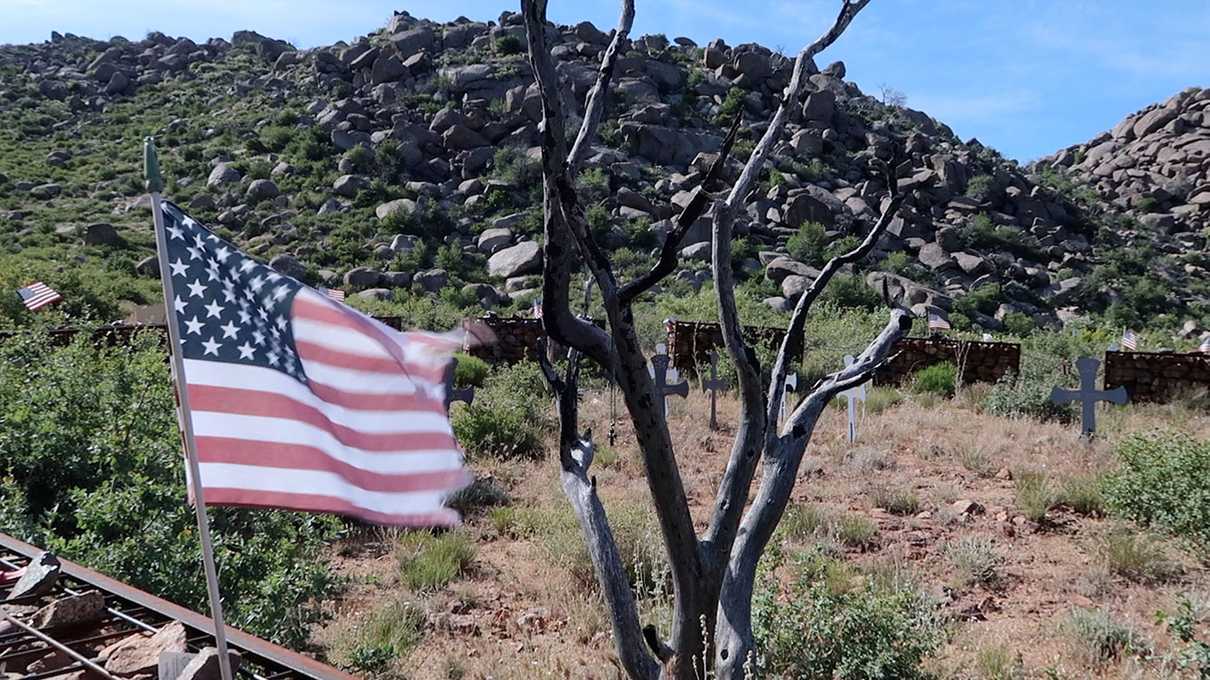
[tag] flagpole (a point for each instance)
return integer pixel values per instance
(155, 184)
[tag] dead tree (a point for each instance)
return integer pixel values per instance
(713, 574)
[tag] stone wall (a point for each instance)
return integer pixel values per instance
(517, 338)
(976, 361)
(690, 342)
(1149, 376)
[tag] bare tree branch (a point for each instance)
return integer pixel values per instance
(781, 464)
(696, 207)
(596, 96)
(791, 344)
(575, 459)
(789, 98)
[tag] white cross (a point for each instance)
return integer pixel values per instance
(853, 395)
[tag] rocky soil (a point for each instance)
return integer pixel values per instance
(404, 161)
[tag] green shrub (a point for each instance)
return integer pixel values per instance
(1163, 481)
(1135, 557)
(1028, 395)
(938, 379)
(388, 633)
(470, 371)
(1096, 638)
(1185, 625)
(850, 291)
(429, 561)
(976, 560)
(980, 187)
(1035, 494)
(92, 471)
(508, 44)
(897, 501)
(808, 244)
(508, 416)
(822, 625)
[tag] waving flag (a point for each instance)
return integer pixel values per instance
(1130, 341)
(1205, 346)
(938, 322)
(38, 295)
(334, 294)
(302, 403)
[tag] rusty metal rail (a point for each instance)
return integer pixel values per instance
(129, 611)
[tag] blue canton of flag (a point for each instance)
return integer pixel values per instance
(229, 307)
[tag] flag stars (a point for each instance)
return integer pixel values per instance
(195, 326)
(179, 268)
(246, 351)
(211, 346)
(197, 289)
(229, 330)
(175, 231)
(222, 254)
(214, 310)
(178, 304)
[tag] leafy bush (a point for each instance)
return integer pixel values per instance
(1163, 481)
(508, 44)
(1028, 395)
(508, 416)
(828, 622)
(470, 371)
(938, 379)
(980, 187)
(92, 470)
(808, 244)
(850, 291)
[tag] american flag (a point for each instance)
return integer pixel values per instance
(302, 403)
(536, 311)
(938, 322)
(334, 294)
(37, 295)
(1129, 340)
(1205, 346)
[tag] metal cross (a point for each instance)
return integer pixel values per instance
(1088, 394)
(659, 372)
(853, 395)
(791, 385)
(452, 394)
(714, 385)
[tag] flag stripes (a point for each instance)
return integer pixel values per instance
(300, 402)
(38, 295)
(1130, 341)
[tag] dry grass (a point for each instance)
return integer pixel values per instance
(529, 607)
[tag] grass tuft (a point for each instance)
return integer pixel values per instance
(976, 559)
(429, 561)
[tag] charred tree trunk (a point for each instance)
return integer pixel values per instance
(713, 575)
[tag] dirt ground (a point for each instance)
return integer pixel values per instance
(520, 613)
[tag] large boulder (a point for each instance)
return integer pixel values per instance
(494, 240)
(668, 146)
(523, 258)
(221, 175)
(101, 234)
(403, 207)
(410, 42)
(261, 190)
(349, 185)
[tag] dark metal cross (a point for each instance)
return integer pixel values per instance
(714, 385)
(659, 372)
(1088, 395)
(452, 394)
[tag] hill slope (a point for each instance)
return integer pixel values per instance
(403, 166)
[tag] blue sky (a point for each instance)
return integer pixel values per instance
(1025, 76)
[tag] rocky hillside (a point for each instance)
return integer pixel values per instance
(402, 167)
(1152, 173)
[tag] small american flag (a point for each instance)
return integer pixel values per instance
(302, 403)
(938, 322)
(334, 294)
(38, 295)
(1205, 346)
(1130, 341)
(536, 311)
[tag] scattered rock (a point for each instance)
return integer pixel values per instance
(139, 653)
(523, 258)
